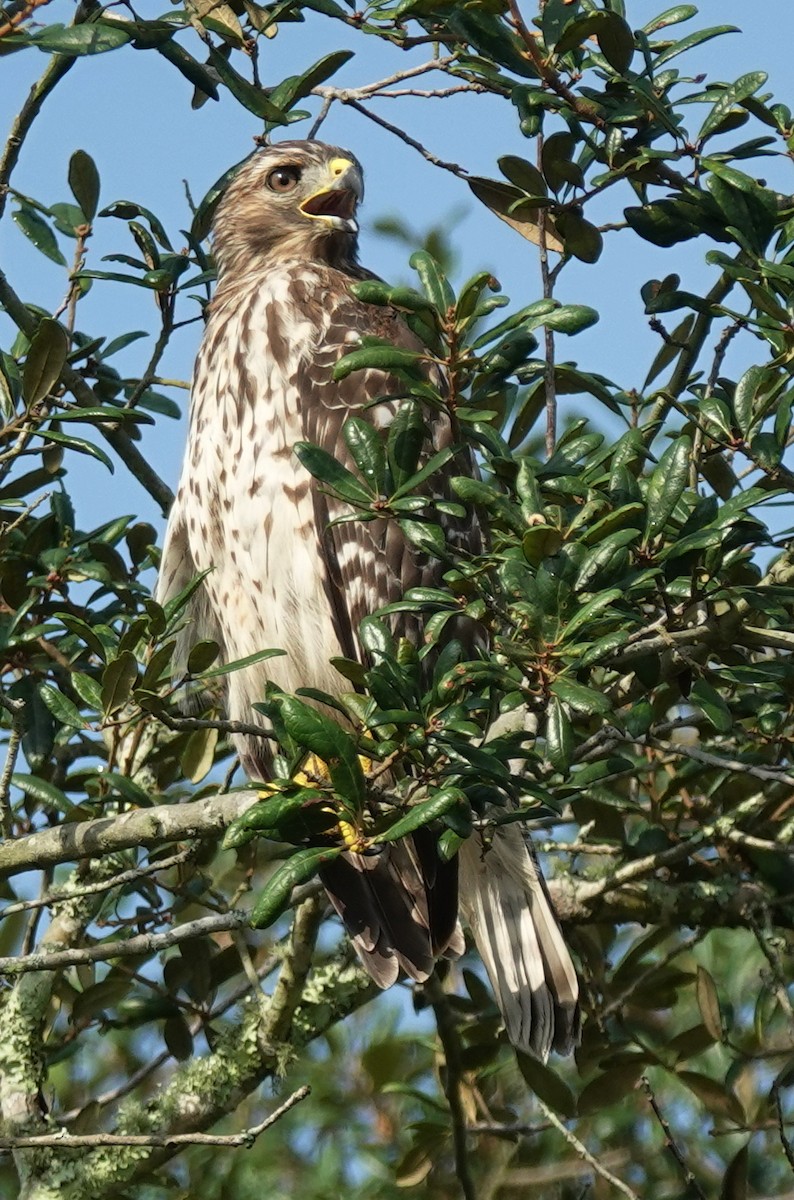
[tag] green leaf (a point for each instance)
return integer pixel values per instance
(324, 466)
(745, 397)
(198, 755)
(46, 793)
(671, 16)
(75, 40)
(86, 633)
(712, 705)
(523, 174)
(735, 1182)
(127, 210)
(118, 679)
(251, 97)
(692, 39)
(597, 560)
(433, 279)
(559, 736)
(298, 868)
(329, 742)
(406, 439)
(419, 815)
(580, 237)
(667, 485)
(193, 71)
(383, 357)
(36, 229)
(547, 1084)
(202, 656)
(283, 818)
(87, 689)
(61, 708)
(239, 663)
(84, 183)
(716, 1098)
(367, 450)
(588, 611)
(709, 1003)
(67, 218)
(568, 318)
(296, 87)
(746, 85)
(424, 536)
(580, 698)
(74, 443)
(45, 360)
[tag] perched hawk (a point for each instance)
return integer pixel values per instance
(250, 515)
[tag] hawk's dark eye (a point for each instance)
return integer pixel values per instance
(283, 179)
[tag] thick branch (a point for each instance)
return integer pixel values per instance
(63, 1140)
(205, 818)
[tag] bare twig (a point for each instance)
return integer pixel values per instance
(63, 1140)
(103, 885)
(583, 1152)
(409, 141)
(785, 1141)
(188, 724)
(670, 1142)
(450, 1041)
(550, 381)
(15, 709)
(57, 67)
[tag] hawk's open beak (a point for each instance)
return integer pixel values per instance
(336, 204)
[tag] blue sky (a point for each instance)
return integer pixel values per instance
(131, 112)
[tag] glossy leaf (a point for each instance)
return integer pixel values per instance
(298, 868)
(45, 360)
(84, 183)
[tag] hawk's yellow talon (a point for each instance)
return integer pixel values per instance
(353, 840)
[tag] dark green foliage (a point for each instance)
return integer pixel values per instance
(628, 688)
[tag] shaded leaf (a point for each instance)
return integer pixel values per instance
(45, 360)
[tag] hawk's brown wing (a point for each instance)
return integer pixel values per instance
(400, 904)
(368, 563)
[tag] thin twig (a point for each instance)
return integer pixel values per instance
(191, 723)
(670, 1143)
(58, 66)
(104, 885)
(455, 169)
(549, 378)
(788, 1150)
(63, 1140)
(15, 709)
(583, 1152)
(450, 1041)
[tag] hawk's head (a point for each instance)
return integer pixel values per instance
(291, 200)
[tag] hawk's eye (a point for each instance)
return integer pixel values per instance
(283, 179)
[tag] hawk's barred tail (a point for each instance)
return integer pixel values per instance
(508, 909)
(399, 906)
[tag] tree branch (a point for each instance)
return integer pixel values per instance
(142, 943)
(63, 1140)
(205, 818)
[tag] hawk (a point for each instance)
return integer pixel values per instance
(279, 575)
